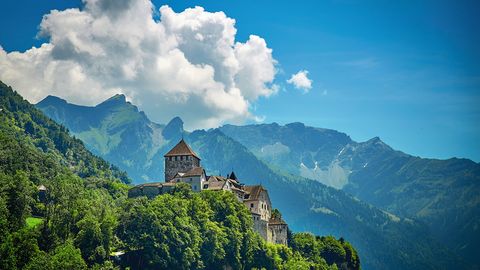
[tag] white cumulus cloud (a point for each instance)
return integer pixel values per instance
(187, 63)
(300, 80)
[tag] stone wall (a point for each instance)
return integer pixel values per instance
(260, 226)
(173, 165)
(135, 192)
(152, 192)
(277, 233)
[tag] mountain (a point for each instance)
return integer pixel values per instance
(61, 207)
(384, 240)
(27, 130)
(444, 194)
(116, 130)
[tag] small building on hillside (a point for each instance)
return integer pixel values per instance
(182, 165)
(196, 177)
(42, 193)
(150, 190)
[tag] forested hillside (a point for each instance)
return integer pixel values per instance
(84, 220)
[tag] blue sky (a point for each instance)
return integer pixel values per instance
(407, 72)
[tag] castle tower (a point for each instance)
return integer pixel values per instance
(180, 159)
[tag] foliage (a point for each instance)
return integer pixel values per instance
(326, 249)
(33, 222)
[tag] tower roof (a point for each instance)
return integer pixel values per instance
(181, 149)
(232, 176)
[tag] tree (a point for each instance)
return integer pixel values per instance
(17, 192)
(90, 240)
(67, 256)
(41, 261)
(332, 250)
(3, 219)
(63, 205)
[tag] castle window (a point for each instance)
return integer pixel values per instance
(251, 205)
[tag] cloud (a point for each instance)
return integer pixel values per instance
(187, 63)
(301, 81)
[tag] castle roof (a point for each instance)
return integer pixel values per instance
(151, 184)
(181, 149)
(216, 178)
(276, 221)
(196, 171)
(232, 176)
(154, 184)
(216, 185)
(252, 193)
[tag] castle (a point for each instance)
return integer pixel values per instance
(182, 165)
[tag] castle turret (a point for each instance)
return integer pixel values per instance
(180, 159)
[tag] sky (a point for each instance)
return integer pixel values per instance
(405, 71)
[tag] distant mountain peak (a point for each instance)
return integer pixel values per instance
(296, 125)
(48, 100)
(117, 99)
(377, 143)
(176, 121)
(174, 128)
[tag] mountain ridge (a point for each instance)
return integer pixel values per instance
(137, 151)
(441, 193)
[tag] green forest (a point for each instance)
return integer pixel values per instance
(83, 219)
